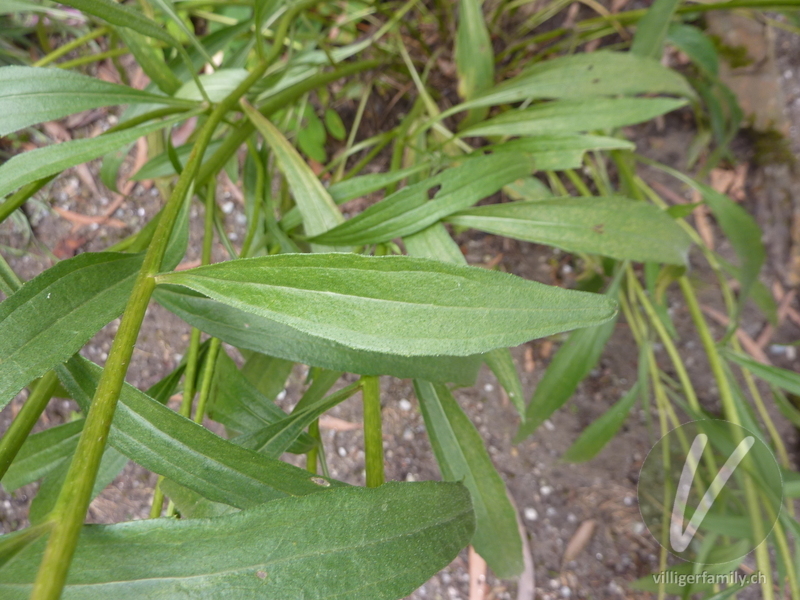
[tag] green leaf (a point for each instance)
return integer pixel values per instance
(217, 85)
(41, 453)
(318, 209)
(601, 431)
(462, 456)
(123, 16)
(613, 226)
(111, 465)
(150, 59)
(474, 55)
(502, 365)
(334, 124)
(238, 405)
(53, 315)
(36, 164)
(410, 210)
(696, 45)
(166, 443)
(743, 233)
(31, 95)
(275, 439)
(395, 304)
(559, 152)
(348, 189)
(267, 373)
(434, 242)
(570, 116)
(652, 29)
(570, 365)
(374, 544)
(112, 163)
(585, 75)
(246, 330)
(783, 378)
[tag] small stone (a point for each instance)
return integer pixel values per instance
(408, 435)
(548, 424)
(565, 591)
(342, 452)
(571, 518)
(488, 387)
(405, 405)
(545, 490)
(227, 207)
(281, 395)
(531, 514)
(551, 512)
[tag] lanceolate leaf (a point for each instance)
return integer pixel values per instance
(473, 53)
(570, 365)
(652, 29)
(462, 456)
(743, 233)
(150, 59)
(161, 440)
(395, 304)
(600, 432)
(358, 543)
(782, 378)
(237, 404)
(696, 45)
(31, 95)
(410, 210)
(348, 189)
(435, 242)
(52, 316)
(275, 439)
(562, 151)
(36, 164)
(110, 466)
(318, 209)
(614, 226)
(247, 330)
(41, 453)
(585, 75)
(572, 116)
(123, 16)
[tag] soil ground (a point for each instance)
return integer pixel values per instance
(554, 498)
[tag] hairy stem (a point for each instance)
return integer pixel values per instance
(75, 495)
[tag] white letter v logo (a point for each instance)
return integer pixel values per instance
(679, 537)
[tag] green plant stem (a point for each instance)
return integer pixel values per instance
(582, 188)
(69, 46)
(75, 495)
(90, 58)
(729, 408)
(158, 500)
(373, 434)
(18, 198)
(674, 355)
(208, 378)
(313, 454)
(23, 423)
